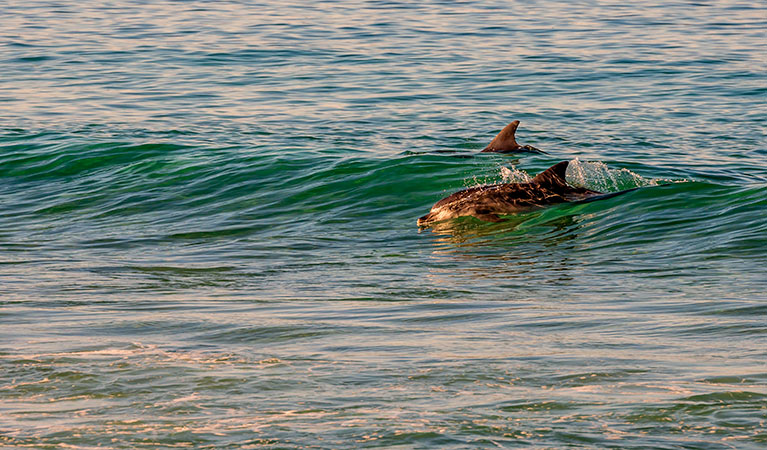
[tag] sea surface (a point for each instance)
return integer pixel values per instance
(208, 229)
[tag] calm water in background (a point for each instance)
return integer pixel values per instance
(208, 237)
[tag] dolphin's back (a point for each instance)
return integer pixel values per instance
(464, 194)
(494, 193)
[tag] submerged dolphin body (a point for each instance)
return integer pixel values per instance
(505, 142)
(487, 202)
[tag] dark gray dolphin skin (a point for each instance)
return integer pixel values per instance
(505, 142)
(487, 202)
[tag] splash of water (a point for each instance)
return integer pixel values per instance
(514, 175)
(592, 175)
(589, 174)
(597, 176)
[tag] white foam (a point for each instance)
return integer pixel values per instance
(514, 175)
(596, 175)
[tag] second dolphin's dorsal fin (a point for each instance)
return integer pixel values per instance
(505, 140)
(553, 176)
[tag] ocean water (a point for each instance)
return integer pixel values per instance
(208, 229)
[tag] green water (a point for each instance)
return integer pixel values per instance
(208, 226)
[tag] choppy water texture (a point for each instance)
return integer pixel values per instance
(208, 225)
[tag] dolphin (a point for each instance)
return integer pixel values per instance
(505, 142)
(488, 202)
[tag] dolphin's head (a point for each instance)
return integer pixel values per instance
(425, 220)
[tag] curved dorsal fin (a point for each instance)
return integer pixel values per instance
(553, 176)
(504, 141)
